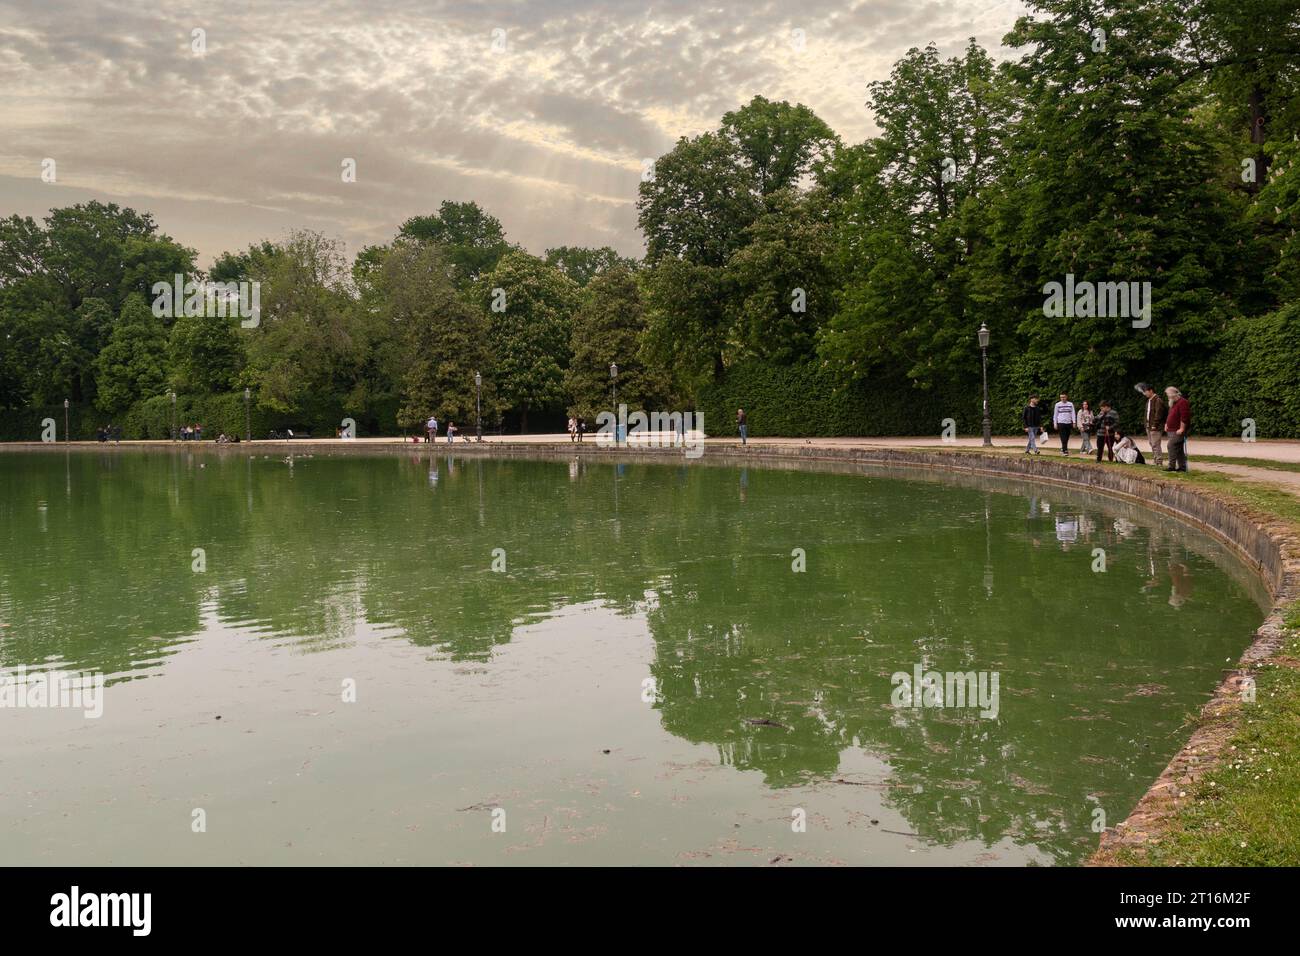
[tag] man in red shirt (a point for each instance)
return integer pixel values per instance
(1176, 426)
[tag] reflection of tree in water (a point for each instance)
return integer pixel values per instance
(725, 652)
(895, 576)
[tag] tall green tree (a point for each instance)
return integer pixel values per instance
(133, 365)
(607, 329)
(530, 307)
(205, 354)
(444, 339)
(472, 240)
(910, 219)
(582, 264)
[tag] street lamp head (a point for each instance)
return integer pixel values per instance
(248, 393)
(613, 370)
(478, 380)
(984, 335)
(65, 403)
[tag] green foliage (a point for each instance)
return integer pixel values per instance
(607, 328)
(133, 365)
(205, 353)
(472, 241)
(530, 323)
(582, 264)
(444, 340)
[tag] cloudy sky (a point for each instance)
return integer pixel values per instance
(542, 111)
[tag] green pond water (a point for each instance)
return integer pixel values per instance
(594, 701)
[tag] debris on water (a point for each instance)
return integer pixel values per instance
(764, 722)
(605, 751)
(218, 716)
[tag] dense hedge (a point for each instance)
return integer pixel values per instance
(804, 400)
(151, 419)
(1254, 373)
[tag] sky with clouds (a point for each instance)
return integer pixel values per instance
(542, 111)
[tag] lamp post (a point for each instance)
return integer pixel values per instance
(248, 415)
(67, 435)
(613, 391)
(172, 396)
(478, 406)
(984, 355)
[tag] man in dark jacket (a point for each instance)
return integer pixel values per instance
(1032, 417)
(1155, 421)
(1107, 424)
(1177, 424)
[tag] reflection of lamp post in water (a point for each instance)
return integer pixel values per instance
(984, 354)
(988, 558)
(478, 404)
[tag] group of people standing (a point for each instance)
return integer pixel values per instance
(431, 431)
(1164, 425)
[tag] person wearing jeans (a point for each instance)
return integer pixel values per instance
(1063, 419)
(1032, 418)
(1155, 422)
(742, 425)
(1107, 426)
(1176, 426)
(1085, 427)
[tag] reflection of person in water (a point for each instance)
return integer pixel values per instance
(1180, 580)
(1067, 530)
(744, 484)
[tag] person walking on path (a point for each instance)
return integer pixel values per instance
(1177, 424)
(1032, 418)
(573, 429)
(1063, 418)
(431, 426)
(1107, 426)
(742, 425)
(1155, 421)
(451, 432)
(1085, 427)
